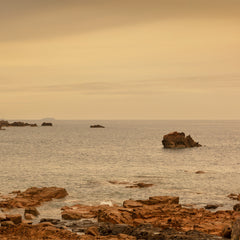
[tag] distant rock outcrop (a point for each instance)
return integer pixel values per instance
(97, 126)
(47, 124)
(4, 123)
(179, 140)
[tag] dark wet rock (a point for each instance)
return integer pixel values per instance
(97, 126)
(160, 200)
(226, 232)
(236, 207)
(140, 185)
(178, 140)
(31, 210)
(7, 224)
(47, 124)
(51, 220)
(236, 230)
(234, 196)
(149, 232)
(211, 206)
(15, 218)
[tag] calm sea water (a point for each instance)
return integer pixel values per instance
(83, 160)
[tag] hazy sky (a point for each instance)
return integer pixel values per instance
(120, 59)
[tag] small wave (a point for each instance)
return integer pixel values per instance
(109, 203)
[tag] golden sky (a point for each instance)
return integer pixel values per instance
(128, 59)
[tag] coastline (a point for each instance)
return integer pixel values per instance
(159, 217)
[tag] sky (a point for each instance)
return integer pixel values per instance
(128, 59)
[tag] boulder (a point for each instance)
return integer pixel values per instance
(32, 210)
(97, 126)
(211, 206)
(236, 207)
(178, 140)
(16, 218)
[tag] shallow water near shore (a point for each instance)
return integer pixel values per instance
(84, 160)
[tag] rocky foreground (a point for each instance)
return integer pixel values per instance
(159, 217)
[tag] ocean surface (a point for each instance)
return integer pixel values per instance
(83, 160)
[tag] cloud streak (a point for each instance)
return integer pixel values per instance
(27, 19)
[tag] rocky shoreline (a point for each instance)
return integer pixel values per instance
(159, 217)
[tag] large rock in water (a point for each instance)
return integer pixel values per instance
(179, 140)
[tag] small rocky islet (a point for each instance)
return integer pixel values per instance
(4, 123)
(159, 217)
(176, 140)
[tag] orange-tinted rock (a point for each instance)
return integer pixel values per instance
(178, 140)
(28, 216)
(36, 232)
(33, 197)
(160, 200)
(132, 204)
(15, 218)
(163, 212)
(78, 212)
(115, 215)
(92, 231)
(7, 224)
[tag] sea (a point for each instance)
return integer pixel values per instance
(85, 160)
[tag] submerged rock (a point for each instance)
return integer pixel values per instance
(140, 185)
(179, 140)
(211, 206)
